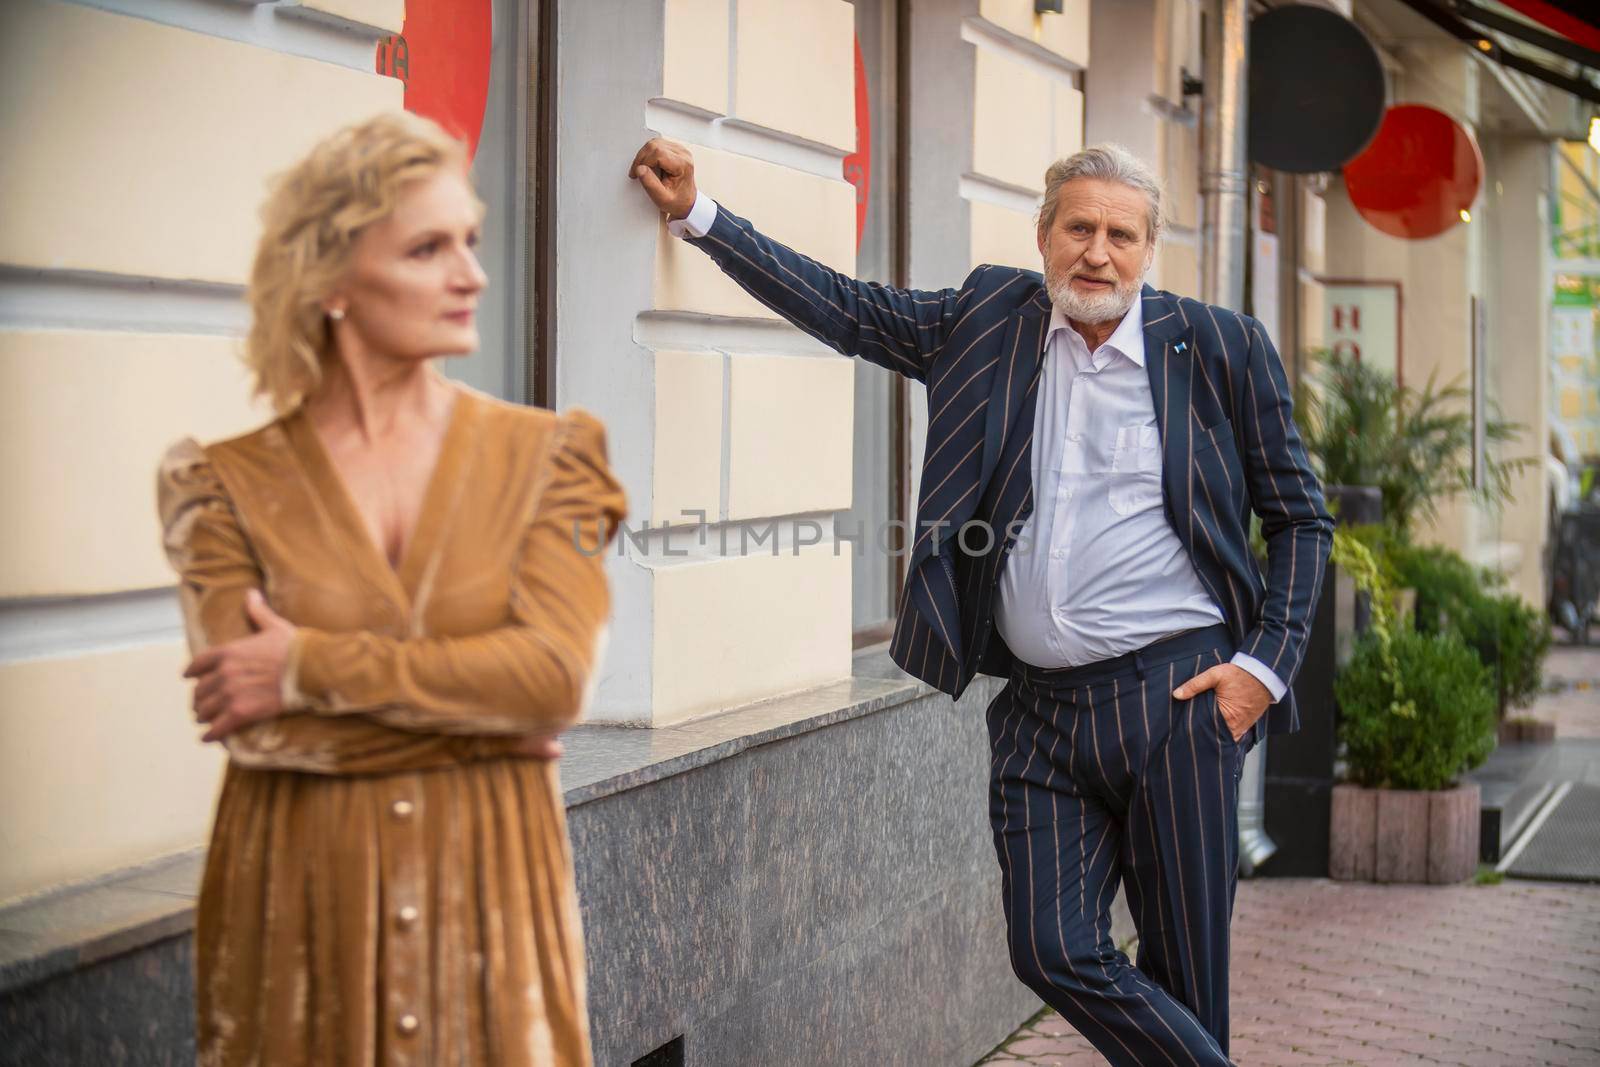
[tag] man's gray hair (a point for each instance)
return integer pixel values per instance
(1110, 163)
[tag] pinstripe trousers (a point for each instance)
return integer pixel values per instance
(1099, 776)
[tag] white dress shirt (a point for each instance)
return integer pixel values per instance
(1097, 570)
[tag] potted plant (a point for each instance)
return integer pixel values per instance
(1417, 710)
(1346, 413)
(1511, 638)
(1363, 429)
(1523, 638)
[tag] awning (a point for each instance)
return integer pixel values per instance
(1571, 38)
(1576, 20)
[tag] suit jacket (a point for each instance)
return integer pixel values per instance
(1229, 446)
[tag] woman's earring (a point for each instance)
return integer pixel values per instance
(336, 314)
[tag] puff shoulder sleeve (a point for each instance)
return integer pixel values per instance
(206, 547)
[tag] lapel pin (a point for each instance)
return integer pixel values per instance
(1181, 346)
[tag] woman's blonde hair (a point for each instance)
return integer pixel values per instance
(310, 223)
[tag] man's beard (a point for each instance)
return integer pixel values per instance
(1090, 310)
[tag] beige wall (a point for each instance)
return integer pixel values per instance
(1515, 211)
(1027, 112)
(133, 157)
(99, 766)
(1313, 266)
(753, 420)
(138, 181)
(100, 408)
(1437, 275)
(1436, 312)
(753, 423)
(810, 213)
(1066, 34)
(1135, 98)
(99, 111)
(1499, 258)
(735, 629)
(381, 14)
(744, 417)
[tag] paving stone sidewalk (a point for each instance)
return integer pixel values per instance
(1339, 973)
(1379, 976)
(1572, 701)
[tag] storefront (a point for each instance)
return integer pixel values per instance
(798, 816)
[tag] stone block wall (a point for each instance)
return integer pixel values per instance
(134, 153)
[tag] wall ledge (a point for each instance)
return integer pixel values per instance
(602, 760)
(66, 929)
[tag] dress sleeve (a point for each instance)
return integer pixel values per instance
(216, 567)
(206, 547)
(534, 673)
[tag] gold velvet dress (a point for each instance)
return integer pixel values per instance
(387, 883)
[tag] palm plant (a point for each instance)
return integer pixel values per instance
(1363, 428)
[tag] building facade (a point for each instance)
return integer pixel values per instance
(904, 141)
(1472, 306)
(140, 139)
(1574, 348)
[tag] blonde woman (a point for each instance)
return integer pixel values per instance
(395, 600)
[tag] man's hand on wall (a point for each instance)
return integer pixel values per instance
(666, 170)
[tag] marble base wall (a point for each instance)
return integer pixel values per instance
(808, 881)
(132, 1010)
(831, 898)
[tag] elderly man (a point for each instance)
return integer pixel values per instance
(1095, 448)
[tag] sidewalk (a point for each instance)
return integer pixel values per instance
(1573, 676)
(1379, 976)
(1338, 973)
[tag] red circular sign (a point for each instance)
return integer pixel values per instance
(858, 164)
(442, 54)
(1418, 176)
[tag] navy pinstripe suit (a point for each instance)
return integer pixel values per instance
(1229, 445)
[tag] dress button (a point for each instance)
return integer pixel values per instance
(407, 917)
(402, 809)
(408, 1024)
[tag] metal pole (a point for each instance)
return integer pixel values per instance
(1223, 180)
(1225, 196)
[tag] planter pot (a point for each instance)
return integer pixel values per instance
(1397, 835)
(1520, 731)
(1353, 505)
(1356, 505)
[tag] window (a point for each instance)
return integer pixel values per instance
(880, 396)
(441, 55)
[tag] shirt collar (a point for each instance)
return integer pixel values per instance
(1127, 338)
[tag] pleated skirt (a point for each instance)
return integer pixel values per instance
(425, 918)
